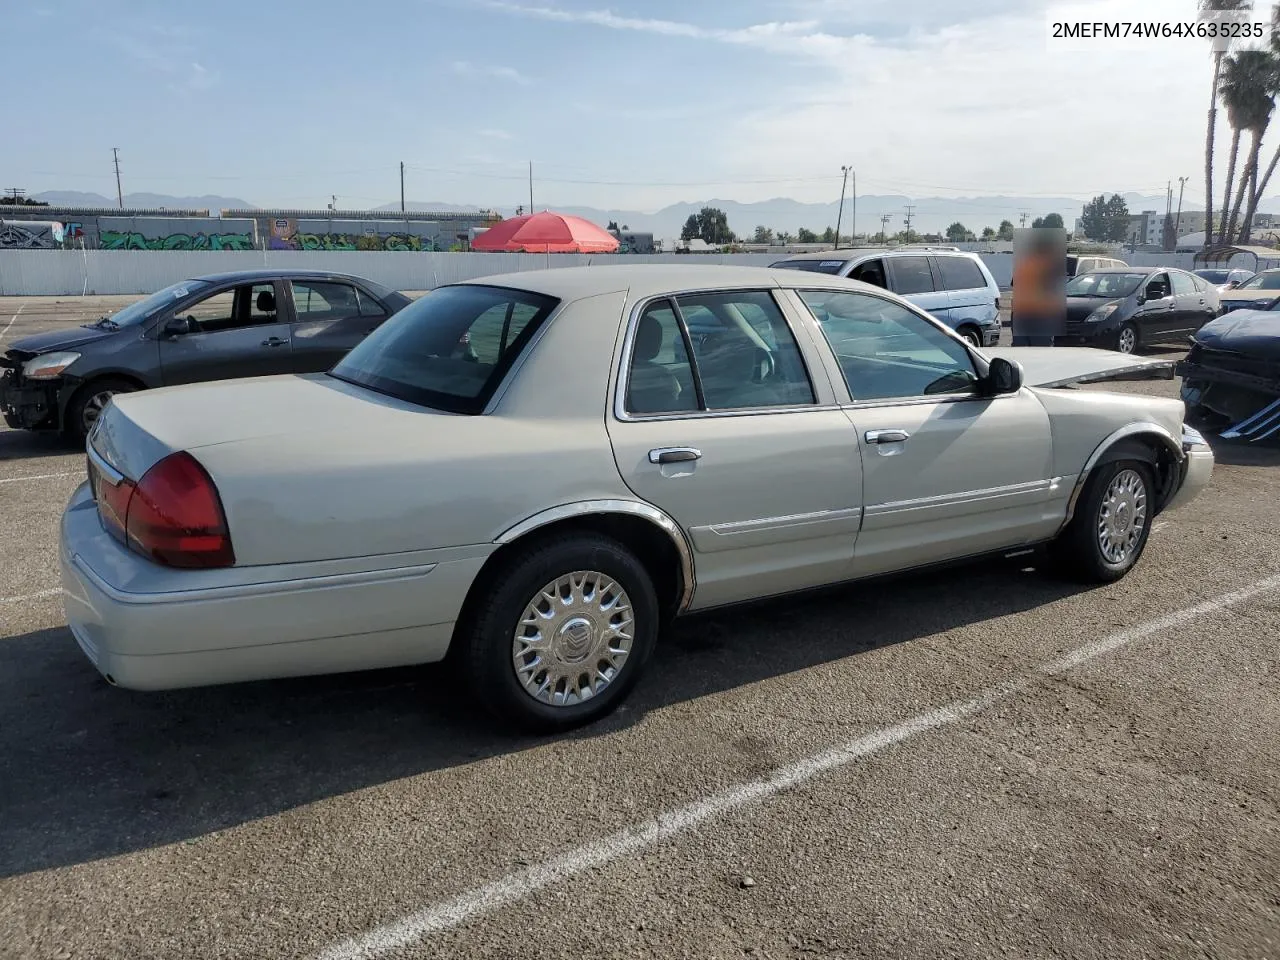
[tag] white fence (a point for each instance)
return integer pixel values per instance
(32, 273)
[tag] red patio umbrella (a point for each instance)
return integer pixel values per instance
(546, 232)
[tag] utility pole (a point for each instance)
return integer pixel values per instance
(531, 188)
(884, 226)
(402, 186)
(910, 208)
(853, 206)
(840, 212)
(14, 194)
(1177, 229)
(1022, 218)
(115, 155)
(333, 201)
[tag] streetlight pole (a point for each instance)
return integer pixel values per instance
(840, 213)
(1177, 229)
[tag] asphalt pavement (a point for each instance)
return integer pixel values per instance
(978, 762)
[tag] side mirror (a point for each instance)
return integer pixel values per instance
(1003, 376)
(176, 327)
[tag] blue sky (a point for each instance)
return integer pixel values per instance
(623, 103)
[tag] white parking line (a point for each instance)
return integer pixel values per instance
(41, 595)
(453, 912)
(45, 476)
(22, 306)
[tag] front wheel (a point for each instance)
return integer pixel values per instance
(1111, 524)
(88, 403)
(1128, 341)
(970, 336)
(563, 634)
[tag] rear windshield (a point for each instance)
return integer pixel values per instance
(450, 348)
(1263, 281)
(813, 266)
(1213, 276)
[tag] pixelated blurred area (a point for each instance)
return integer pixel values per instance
(1039, 308)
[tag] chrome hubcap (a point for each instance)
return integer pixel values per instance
(93, 409)
(1128, 340)
(971, 338)
(573, 639)
(1122, 517)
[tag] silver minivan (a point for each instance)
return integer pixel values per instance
(954, 286)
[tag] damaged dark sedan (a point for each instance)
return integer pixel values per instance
(1232, 373)
(245, 324)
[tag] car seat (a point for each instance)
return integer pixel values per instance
(653, 388)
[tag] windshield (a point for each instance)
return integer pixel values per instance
(1263, 281)
(136, 313)
(1213, 276)
(1109, 285)
(450, 348)
(813, 266)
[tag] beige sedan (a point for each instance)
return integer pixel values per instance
(533, 473)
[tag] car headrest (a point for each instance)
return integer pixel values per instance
(266, 302)
(648, 337)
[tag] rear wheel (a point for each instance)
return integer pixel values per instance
(1111, 524)
(563, 633)
(88, 403)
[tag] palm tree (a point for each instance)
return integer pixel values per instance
(1255, 195)
(1248, 88)
(1220, 46)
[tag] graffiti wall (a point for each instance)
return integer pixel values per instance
(175, 233)
(287, 233)
(31, 234)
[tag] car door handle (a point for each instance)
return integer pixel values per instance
(887, 436)
(274, 342)
(674, 454)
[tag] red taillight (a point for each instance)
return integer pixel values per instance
(173, 515)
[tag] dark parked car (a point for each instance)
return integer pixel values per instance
(1126, 308)
(1232, 373)
(245, 324)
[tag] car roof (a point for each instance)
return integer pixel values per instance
(1132, 269)
(650, 279)
(855, 252)
(270, 274)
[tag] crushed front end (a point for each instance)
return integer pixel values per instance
(26, 404)
(1241, 389)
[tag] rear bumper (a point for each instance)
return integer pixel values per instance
(150, 636)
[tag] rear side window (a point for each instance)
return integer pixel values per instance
(911, 275)
(813, 266)
(321, 300)
(722, 351)
(450, 348)
(960, 273)
(1182, 283)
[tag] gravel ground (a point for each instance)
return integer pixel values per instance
(1123, 804)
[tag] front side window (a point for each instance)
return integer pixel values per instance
(960, 273)
(743, 356)
(872, 272)
(911, 275)
(886, 351)
(249, 305)
(1263, 281)
(450, 348)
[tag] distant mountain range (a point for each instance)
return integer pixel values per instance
(930, 214)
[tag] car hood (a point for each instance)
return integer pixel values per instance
(1252, 332)
(1245, 296)
(51, 340)
(1062, 366)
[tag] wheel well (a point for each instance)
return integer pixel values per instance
(96, 378)
(651, 545)
(977, 331)
(1150, 449)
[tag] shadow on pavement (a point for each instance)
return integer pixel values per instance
(23, 444)
(90, 771)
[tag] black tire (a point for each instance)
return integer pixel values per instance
(1129, 327)
(1077, 553)
(77, 422)
(971, 335)
(486, 639)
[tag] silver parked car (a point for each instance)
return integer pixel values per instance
(534, 472)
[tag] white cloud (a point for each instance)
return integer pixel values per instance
(667, 28)
(494, 134)
(468, 69)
